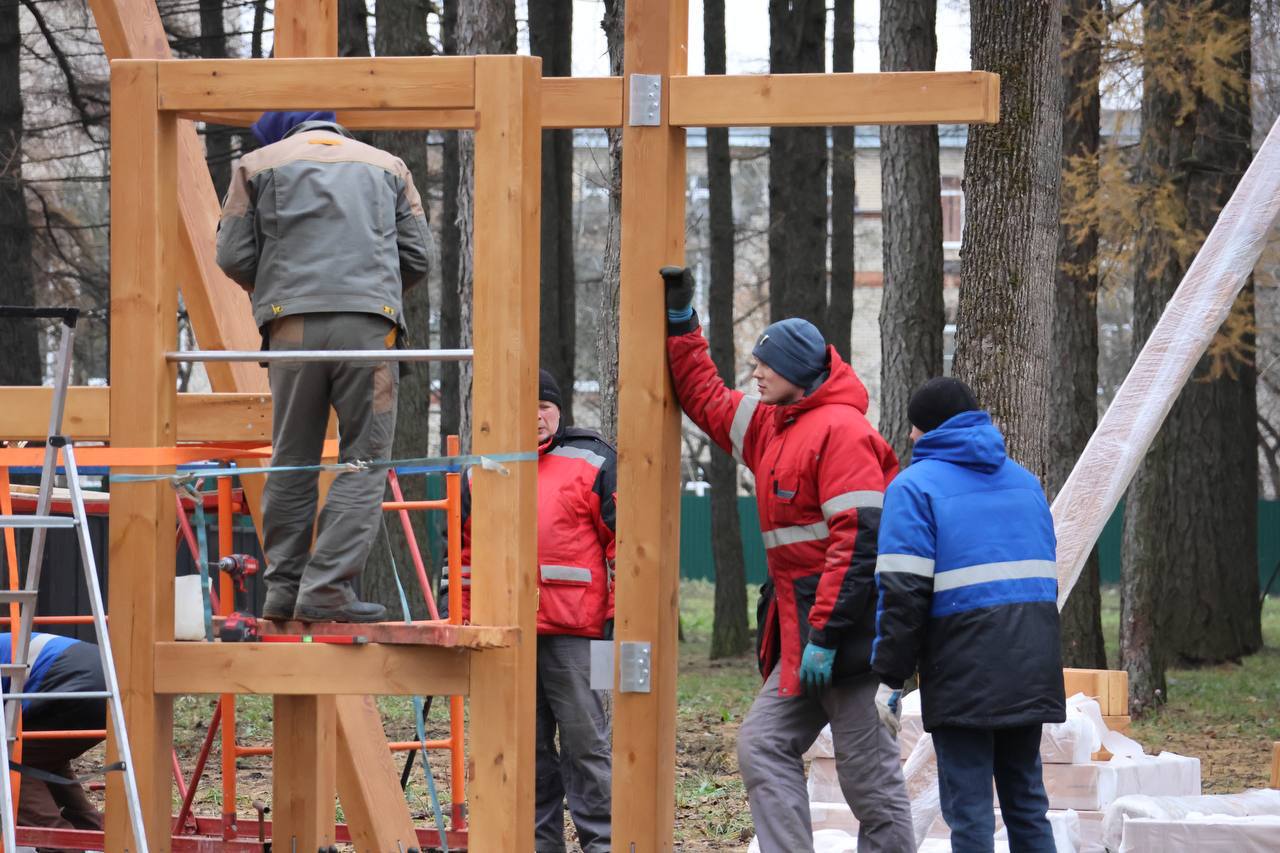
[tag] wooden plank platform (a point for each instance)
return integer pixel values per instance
(424, 633)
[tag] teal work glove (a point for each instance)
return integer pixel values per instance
(678, 282)
(815, 668)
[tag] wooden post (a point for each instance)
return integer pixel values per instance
(304, 769)
(144, 311)
(504, 522)
(306, 28)
(653, 172)
(1275, 765)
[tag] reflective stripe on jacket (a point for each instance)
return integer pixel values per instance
(968, 584)
(319, 222)
(821, 470)
(577, 482)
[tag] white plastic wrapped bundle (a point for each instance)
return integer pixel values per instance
(1202, 833)
(1248, 804)
(1190, 320)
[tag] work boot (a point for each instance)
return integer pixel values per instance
(277, 610)
(356, 611)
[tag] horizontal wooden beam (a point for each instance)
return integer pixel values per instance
(24, 415)
(908, 97)
(418, 83)
(567, 102)
(302, 669)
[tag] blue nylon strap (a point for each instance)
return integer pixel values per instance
(420, 465)
(202, 562)
(418, 705)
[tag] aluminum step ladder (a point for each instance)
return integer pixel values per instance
(20, 642)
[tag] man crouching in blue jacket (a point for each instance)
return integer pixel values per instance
(968, 593)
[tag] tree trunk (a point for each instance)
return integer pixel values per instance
(1012, 172)
(353, 28)
(1189, 554)
(402, 31)
(551, 37)
(1073, 387)
(259, 23)
(729, 633)
(484, 27)
(843, 196)
(217, 138)
(798, 174)
(450, 247)
(19, 339)
(912, 315)
(611, 275)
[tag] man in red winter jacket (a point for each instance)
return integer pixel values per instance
(577, 482)
(820, 470)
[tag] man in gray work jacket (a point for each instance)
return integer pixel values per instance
(324, 232)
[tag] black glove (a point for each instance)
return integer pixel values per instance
(607, 634)
(679, 284)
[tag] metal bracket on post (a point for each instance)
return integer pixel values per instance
(634, 667)
(645, 100)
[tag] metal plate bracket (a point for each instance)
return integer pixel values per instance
(634, 667)
(602, 664)
(645, 100)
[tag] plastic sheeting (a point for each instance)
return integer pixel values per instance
(1096, 785)
(1203, 834)
(1190, 320)
(1262, 802)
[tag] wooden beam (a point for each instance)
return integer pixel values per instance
(144, 309)
(355, 83)
(567, 103)
(653, 225)
(368, 780)
(309, 668)
(306, 28)
(201, 417)
(219, 309)
(303, 772)
(1275, 765)
(504, 521)
(783, 100)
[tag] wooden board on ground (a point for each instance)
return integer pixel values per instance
(424, 633)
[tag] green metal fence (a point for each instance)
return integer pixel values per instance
(696, 561)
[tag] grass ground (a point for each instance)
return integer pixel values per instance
(1227, 715)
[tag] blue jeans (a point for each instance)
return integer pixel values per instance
(967, 761)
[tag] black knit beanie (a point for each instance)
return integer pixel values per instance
(937, 401)
(548, 389)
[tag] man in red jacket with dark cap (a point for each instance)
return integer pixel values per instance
(821, 470)
(577, 480)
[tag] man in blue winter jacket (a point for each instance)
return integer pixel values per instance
(968, 595)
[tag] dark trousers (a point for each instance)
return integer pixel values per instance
(581, 769)
(50, 806)
(968, 759)
(364, 396)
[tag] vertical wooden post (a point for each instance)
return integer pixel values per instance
(144, 311)
(306, 28)
(504, 519)
(653, 173)
(304, 770)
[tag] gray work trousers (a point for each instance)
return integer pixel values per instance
(776, 733)
(582, 768)
(364, 396)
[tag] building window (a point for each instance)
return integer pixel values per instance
(952, 213)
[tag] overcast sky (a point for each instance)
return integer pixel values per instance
(747, 39)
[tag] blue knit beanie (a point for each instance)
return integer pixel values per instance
(794, 349)
(274, 126)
